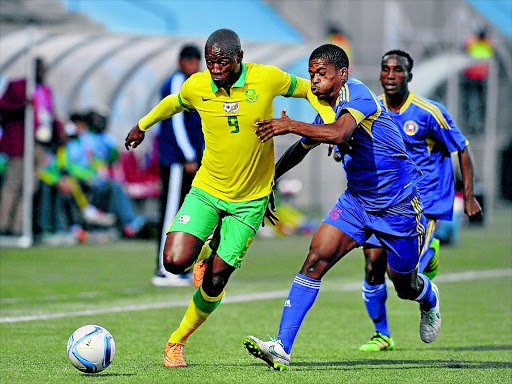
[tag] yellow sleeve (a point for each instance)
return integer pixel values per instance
(357, 115)
(166, 108)
(324, 109)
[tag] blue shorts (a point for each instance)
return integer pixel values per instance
(429, 236)
(401, 229)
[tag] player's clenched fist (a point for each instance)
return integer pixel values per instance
(134, 137)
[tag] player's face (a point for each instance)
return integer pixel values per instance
(394, 75)
(189, 66)
(224, 66)
(326, 80)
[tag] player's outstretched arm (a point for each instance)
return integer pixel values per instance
(292, 156)
(471, 206)
(336, 133)
(269, 212)
(166, 108)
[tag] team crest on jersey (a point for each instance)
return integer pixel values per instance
(184, 219)
(251, 95)
(231, 107)
(410, 127)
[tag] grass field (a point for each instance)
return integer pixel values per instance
(45, 293)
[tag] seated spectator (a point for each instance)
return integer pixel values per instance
(62, 205)
(84, 161)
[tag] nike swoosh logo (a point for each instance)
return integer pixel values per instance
(273, 352)
(205, 99)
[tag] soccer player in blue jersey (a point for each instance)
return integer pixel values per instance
(430, 136)
(381, 199)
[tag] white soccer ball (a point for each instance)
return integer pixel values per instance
(91, 348)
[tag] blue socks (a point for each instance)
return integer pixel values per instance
(375, 300)
(300, 299)
(427, 297)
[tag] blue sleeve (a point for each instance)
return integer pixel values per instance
(360, 102)
(444, 130)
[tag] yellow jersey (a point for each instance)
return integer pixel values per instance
(236, 165)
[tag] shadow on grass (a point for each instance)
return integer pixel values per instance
(410, 364)
(404, 364)
(105, 375)
(477, 348)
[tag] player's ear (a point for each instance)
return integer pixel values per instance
(344, 73)
(239, 57)
(409, 77)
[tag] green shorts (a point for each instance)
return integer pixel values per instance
(237, 223)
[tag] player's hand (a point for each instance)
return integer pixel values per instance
(190, 167)
(267, 129)
(472, 209)
(335, 155)
(269, 212)
(342, 150)
(134, 138)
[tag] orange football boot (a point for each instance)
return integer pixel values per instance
(173, 355)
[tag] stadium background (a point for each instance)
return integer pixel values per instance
(113, 56)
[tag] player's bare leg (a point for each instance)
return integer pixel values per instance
(181, 251)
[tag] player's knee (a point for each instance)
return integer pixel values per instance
(315, 265)
(373, 274)
(173, 268)
(173, 264)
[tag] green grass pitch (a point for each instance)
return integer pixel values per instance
(52, 289)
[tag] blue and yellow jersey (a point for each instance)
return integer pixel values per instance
(379, 171)
(430, 136)
(236, 165)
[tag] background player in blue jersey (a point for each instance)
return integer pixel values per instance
(180, 147)
(430, 136)
(381, 199)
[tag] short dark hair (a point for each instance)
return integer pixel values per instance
(77, 117)
(226, 39)
(334, 54)
(189, 52)
(398, 52)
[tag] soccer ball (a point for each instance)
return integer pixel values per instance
(91, 348)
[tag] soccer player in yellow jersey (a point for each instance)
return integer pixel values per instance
(231, 189)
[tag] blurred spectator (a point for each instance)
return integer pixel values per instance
(479, 46)
(46, 131)
(180, 145)
(64, 210)
(12, 117)
(105, 152)
(81, 161)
